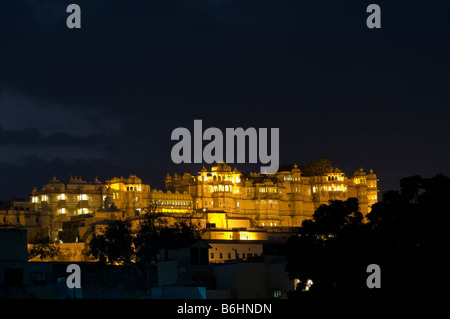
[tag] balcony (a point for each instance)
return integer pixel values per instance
(83, 204)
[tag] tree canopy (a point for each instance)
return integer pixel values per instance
(140, 246)
(42, 246)
(334, 248)
(318, 167)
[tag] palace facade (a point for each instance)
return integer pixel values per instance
(221, 198)
(282, 199)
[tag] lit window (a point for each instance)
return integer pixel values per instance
(44, 198)
(82, 211)
(237, 204)
(314, 189)
(62, 196)
(34, 199)
(83, 197)
(62, 210)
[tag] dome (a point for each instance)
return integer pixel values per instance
(221, 167)
(371, 175)
(360, 172)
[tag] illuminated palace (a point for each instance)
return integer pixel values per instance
(282, 199)
(219, 199)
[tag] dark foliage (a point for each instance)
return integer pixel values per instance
(335, 247)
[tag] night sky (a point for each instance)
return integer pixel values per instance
(103, 100)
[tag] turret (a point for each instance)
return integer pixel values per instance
(371, 180)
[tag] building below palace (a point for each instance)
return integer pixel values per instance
(221, 198)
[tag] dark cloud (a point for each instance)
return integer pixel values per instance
(21, 137)
(136, 70)
(32, 137)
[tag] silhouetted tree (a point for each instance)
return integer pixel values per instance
(42, 246)
(319, 167)
(154, 234)
(406, 232)
(140, 246)
(335, 247)
(115, 245)
(67, 236)
(325, 246)
(331, 219)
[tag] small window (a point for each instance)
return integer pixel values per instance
(220, 255)
(212, 255)
(276, 293)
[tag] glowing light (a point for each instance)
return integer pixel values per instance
(309, 283)
(82, 211)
